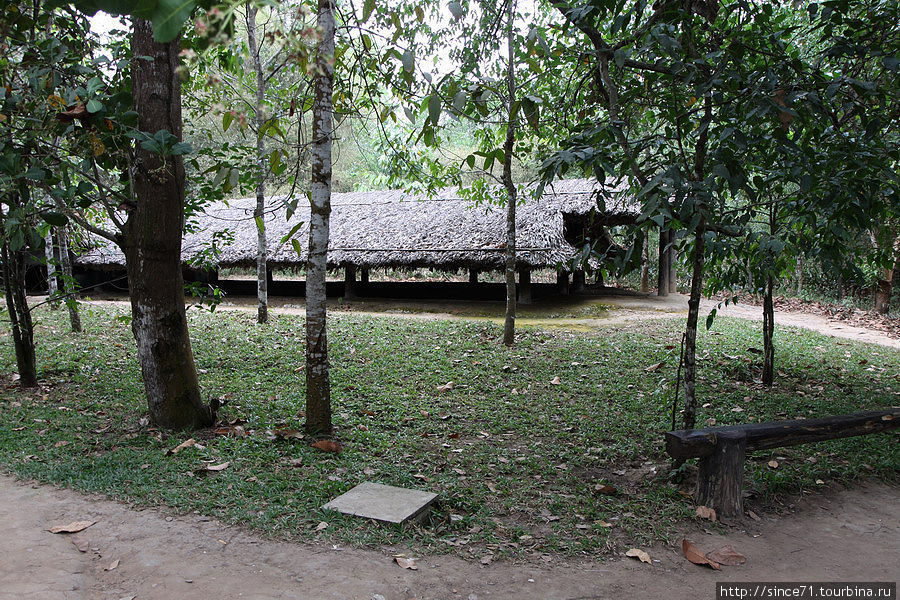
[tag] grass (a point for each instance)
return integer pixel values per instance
(514, 457)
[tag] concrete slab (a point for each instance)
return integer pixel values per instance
(382, 502)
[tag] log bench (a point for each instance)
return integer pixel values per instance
(722, 450)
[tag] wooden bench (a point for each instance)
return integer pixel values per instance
(722, 450)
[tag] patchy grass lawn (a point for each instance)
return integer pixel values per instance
(515, 457)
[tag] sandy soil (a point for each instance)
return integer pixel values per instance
(841, 535)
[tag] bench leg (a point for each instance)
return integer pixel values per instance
(720, 480)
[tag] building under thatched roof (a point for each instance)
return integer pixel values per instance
(398, 230)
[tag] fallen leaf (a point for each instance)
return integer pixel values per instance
(726, 555)
(446, 387)
(754, 350)
(773, 464)
(705, 512)
(640, 555)
(61, 443)
(486, 560)
(131, 597)
(185, 444)
(407, 563)
(288, 434)
(80, 544)
(321, 526)
(112, 565)
(753, 515)
(693, 554)
(604, 523)
(73, 527)
(212, 468)
(608, 490)
(327, 446)
(556, 381)
(654, 368)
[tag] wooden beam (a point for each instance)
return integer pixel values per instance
(350, 282)
(364, 275)
(695, 443)
(562, 282)
(578, 281)
(720, 476)
(473, 275)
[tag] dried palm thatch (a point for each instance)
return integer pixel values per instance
(398, 230)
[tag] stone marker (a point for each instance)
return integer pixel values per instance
(383, 503)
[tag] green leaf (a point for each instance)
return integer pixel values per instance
(169, 17)
(409, 61)
(710, 318)
(290, 234)
(260, 224)
(57, 219)
(94, 106)
(368, 7)
(297, 247)
(434, 108)
(227, 119)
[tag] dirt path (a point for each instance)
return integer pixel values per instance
(850, 535)
(605, 311)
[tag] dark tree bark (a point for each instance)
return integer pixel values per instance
(690, 334)
(662, 278)
(259, 212)
(768, 374)
(318, 386)
(509, 321)
(68, 282)
(151, 242)
(14, 264)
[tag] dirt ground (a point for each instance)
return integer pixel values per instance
(840, 535)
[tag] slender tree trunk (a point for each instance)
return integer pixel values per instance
(14, 264)
(262, 285)
(509, 322)
(884, 286)
(65, 262)
(645, 264)
(768, 374)
(662, 279)
(52, 279)
(673, 277)
(799, 275)
(152, 244)
(318, 386)
(690, 334)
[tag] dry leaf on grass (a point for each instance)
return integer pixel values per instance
(112, 565)
(654, 368)
(446, 387)
(287, 434)
(773, 464)
(693, 554)
(728, 556)
(185, 444)
(556, 381)
(327, 446)
(640, 555)
(607, 490)
(407, 563)
(212, 468)
(705, 512)
(73, 527)
(321, 526)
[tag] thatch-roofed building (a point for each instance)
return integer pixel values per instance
(393, 229)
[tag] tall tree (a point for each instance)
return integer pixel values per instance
(509, 321)
(259, 212)
(318, 386)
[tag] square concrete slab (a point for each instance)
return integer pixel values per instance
(382, 502)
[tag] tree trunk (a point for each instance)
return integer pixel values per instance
(52, 279)
(152, 244)
(662, 278)
(14, 264)
(690, 335)
(673, 277)
(768, 374)
(645, 264)
(318, 387)
(65, 261)
(259, 212)
(509, 322)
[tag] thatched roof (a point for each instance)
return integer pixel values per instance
(396, 229)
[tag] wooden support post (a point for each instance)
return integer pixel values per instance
(473, 275)
(720, 478)
(578, 281)
(562, 282)
(364, 275)
(524, 285)
(270, 277)
(349, 282)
